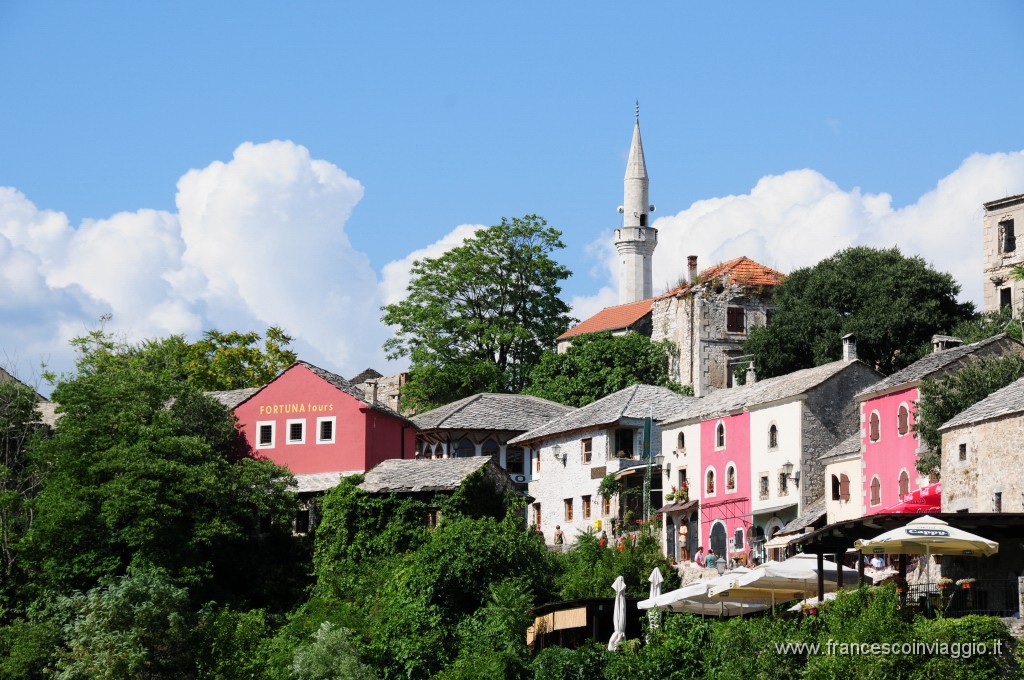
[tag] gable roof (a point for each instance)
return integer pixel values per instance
(932, 363)
(487, 411)
(618, 317)
(233, 398)
(368, 374)
(813, 512)
(725, 401)
(634, 402)
(1004, 402)
(740, 271)
(404, 475)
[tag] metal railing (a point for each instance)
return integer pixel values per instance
(992, 597)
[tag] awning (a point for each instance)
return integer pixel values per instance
(920, 501)
(781, 541)
(773, 509)
(677, 507)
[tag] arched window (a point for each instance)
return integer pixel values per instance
(438, 451)
(874, 426)
(465, 448)
(681, 442)
(876, 491)
(490, 448)
(720, 436)
(903, 420)
(730, 478)
(709, 486)
(904, 483)
(836, 488)
(773, 437)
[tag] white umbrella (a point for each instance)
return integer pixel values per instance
(693, 599)
(811, 602)
(773, 581)
(928, 535)
(656, 580)
(618, 614)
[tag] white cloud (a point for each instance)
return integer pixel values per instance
(800, 217)
(395, 275)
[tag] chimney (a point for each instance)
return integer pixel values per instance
(751, 375)
(372, 384)
(691, 268)
(849, 347)
(943, 342)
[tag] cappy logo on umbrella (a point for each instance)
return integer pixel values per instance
(927, 532)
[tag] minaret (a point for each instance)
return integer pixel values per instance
(635, 241)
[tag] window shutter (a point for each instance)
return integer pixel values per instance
(844, 488)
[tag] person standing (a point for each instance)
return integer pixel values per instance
(559, 536)
(711, 561)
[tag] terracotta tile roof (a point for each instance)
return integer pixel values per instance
(611, 319)
(740, 271)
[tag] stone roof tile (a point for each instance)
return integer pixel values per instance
(233, 398)
(410, 476)
(1004, 402)
(489, 411)
(634, 402)
(351, 390)
(848, 447)
(813, 512)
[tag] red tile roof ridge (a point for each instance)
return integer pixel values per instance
(755, 274)
(611, 318)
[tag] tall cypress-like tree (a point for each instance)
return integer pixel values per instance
(478, 317)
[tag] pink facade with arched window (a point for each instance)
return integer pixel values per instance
(727, 506)
(893, 452)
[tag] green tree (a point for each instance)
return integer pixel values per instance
(599, 364)
(892, 303)
(229, 361)
(478, 317)
(19, 479)
(144, 469)
(944, 397)
(986, 325)
(331, 654)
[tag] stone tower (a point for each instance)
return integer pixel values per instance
(1002, 250)
(635, 240)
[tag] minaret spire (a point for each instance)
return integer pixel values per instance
(635, 241)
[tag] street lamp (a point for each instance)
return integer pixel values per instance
(556, 450)
(787, 470)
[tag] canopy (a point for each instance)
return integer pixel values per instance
(693, 599)
(773, 581)
(618, 614)
(928, 535)
(655, 578)
(924, 500)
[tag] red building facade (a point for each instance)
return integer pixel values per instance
(313, 421)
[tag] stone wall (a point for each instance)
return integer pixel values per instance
(996, 263)
(830, 416)
(991, 465)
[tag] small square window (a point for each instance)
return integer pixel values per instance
(296, 431)
(763, 487)
(325, 430)
(783, 484)
(265, 435)
(997, 501)
(735, 322)
(606, 505)
(963, 451)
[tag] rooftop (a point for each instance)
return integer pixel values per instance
(1007, 401)
(932, 363)
(487, 411)
(741, 271)
(849, 447)
(412, 476)
(635, 402)
(232, 398)
(615, 318)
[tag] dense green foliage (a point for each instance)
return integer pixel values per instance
(229, 361)
(944, 397)
(589, 570)
(892, 303)
(599, 364)
(478, 317)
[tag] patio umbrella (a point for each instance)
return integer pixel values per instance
(928, 535)
(774, 581)
(656, 580)
(694, 599)
(811, 601)
(618, 614)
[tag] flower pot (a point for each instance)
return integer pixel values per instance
(968, 585)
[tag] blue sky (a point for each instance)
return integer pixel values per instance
(782, 131)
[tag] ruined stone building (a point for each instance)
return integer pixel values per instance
(1003, 219)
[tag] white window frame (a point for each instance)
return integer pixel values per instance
(288, 431)
(714, 479)
(333, 420)
(260, 424)
(735, 478)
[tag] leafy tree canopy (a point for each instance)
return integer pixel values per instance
(229, 361)
(892, 303)
(478, 317)
(144, 469)
(942, 398)
(599, 364)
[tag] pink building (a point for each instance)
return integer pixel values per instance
(889, 446)
(725, 482)
(319, 426)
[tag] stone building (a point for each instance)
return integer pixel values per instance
(482, 425)
(981, 455)
(708, 318)
(1000, 253)
(385, 389)
(576, 451)
(843, 479)
(633, 317)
